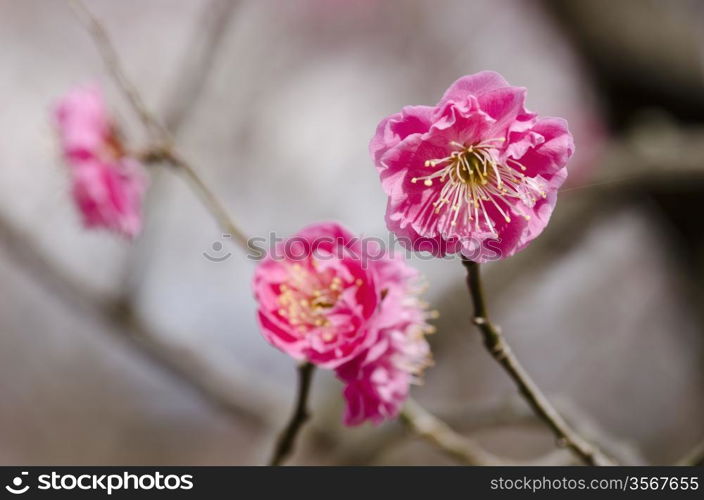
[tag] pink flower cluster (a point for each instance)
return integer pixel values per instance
(108, 185)
(476, 174)
(319, 304)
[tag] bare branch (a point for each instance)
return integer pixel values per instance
(462, 448)
(501, 352)
(442, 436)
(212, 202)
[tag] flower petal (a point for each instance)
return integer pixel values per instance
(395, 128)
(475, 85)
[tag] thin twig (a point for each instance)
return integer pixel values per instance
(443, 437)
(461, 448)
(287, 439)
(212, 202)
(500, 350)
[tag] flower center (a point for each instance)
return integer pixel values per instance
(306, 299)
(473, 182)
(112, 148)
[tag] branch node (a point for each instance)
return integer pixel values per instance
(479, 321)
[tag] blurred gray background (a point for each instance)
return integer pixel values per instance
(274, 103)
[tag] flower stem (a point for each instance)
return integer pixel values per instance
(287, 439)
(501, 352)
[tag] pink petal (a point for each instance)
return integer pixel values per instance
(475, 85)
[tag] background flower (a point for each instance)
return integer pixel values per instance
(108, 186)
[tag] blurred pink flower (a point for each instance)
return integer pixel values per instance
(108, 186)
(316, 298)
(476, 174)
(378, 380)
(110, 195)
(339, 302)
(377, 385)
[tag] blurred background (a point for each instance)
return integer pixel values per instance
(274, 102)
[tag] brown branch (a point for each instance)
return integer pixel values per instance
(499, 349)
(287, 440)
(463, 449)
(211, 201)
(441, 435)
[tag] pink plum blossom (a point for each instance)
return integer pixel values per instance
(340, 302)
(108, 185)
(476, 174)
